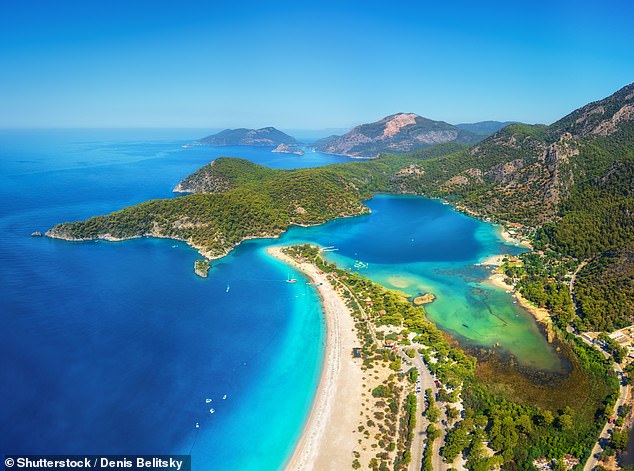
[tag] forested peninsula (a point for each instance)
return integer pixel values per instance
(567, 185)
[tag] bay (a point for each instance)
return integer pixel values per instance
(116, 347)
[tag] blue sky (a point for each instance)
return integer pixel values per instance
(306, 65)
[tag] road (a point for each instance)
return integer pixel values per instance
(606, 433)
(571, 286)
(608, 427)
(623, 388)
(418, 443)
(426, 381)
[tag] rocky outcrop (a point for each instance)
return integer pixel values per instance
(286, 149)
(605, 128)
(600, 118)
(201, 267)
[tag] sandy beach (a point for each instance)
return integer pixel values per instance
(327, 439)
(495, 260)
(514, 240)
(540, 314)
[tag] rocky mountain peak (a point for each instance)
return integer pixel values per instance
(397, 133)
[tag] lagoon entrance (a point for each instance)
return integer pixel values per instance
(417, 245)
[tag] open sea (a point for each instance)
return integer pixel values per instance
(119, 348)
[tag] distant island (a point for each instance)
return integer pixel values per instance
(286, 149)
(263, 137)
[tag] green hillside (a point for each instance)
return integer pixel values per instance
(571, 182)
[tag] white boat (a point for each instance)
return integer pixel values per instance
(224, 397)
(211, 411)
(197, 425)
(207, 401)
(227, 290)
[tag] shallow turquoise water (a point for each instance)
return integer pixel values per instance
(114, 347)
(418, 245)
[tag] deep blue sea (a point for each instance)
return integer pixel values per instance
(117, 347)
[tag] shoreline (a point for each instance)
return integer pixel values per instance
(509, 239)
(327, 441)
(539, 313)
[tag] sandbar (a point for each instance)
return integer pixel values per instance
(327, 440)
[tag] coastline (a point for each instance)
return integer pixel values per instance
(497, 279)
(539, 313)
(509, 239)
(327, 440)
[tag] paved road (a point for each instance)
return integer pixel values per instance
(606, 433)
(418, 443)
(623, 389)
(608, 427)
(426, 381)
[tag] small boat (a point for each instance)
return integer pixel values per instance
(465, 325)
(290, 280)
(207, 401)
(224, 397)
(211, 411)
(197, 425)
(228, 287)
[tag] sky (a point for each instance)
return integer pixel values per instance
(305, 64)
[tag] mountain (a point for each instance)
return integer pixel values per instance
(484, 128)
(531, 175)
(571, 183)
(248, 137)
(523, 173)
(397, 133)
